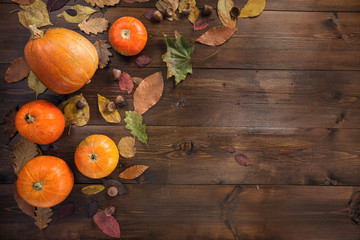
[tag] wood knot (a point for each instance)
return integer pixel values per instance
(188, 147)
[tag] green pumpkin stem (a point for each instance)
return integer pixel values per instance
(37, 186)
(35, 33)
(29, 119)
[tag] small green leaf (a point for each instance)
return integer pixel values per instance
(92, 189)
(112, 117)
(35, 84)
(83, 13)
(178, 58)
(134, 123)
(34, 14)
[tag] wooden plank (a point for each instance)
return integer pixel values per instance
(196, 155)
(199, 212)
(274, 40)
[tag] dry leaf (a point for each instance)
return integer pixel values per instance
(223, 10)
(103, 52)
(201, 24)
(137, 80)
(34, 14)
(23, 152)
(194, 11)
(92, 189)
(82, 13)
(125, 82)
(253, 8)
(53, 5)
(9, 123)
(24, 206)
(35, 84)
(134, 123)
(74, 115)
(133, 172)
(102, 3)
(143, 60)
(112, 117)
(126, 147)
(115, 183)
(65, 210)
(24, 2)
(216, 35)
(42, 217)
(94, 25)
(92, 208)
(17, 71)
(162, 5)
(148, 93)
(149, 15)
(108, 225)
(242, 159)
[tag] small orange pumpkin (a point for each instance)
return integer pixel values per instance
(45, 181)
(40, 122)
(61, 59)
(128, 36)
(96, 156)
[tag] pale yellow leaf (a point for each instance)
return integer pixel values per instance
(102, 3)
(35, 84)
(133, 172)
(223, 11)
(42, 218)
(103, 52)
(253, 8)
(194, 11)
(23, 152)
(82, 13)
(112, 117)
(94, 25)
(126, 147)
(92, 189)
(34, 14)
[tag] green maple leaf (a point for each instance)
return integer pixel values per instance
(134, 123)
(178, 57)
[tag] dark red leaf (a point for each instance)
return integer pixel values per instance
(230, 149)
(53, 5)
(242, 159)
(115, 183)
(201, 24)
(149, 15)
(9, 123)
(108, 225)
(66, 210)
(142, 60)
(92, 208)
(125, 82)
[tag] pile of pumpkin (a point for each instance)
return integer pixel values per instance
(64, 61)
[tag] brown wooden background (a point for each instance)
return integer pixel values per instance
(284, 90)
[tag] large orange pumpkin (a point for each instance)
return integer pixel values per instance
(40, 122)
(61, 59)
(45, 181)
(128, 36)
(96, 156)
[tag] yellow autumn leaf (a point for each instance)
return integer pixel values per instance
(74, 115)
(34, 14)
(82, 13)
(126, 147)
(133, 172)
(253, 8)
(223, 10)
(194, 11)
(102, 3)
(112, 117)
(92, 189)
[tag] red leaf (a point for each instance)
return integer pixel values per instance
(125, 82)
(143, 60)
(66, 210)
(242, 159)
(108, 225)
(230, 149)
(201, 24)
(9, 123)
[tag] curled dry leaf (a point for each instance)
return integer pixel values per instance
(94, 25)
(82, 13)
(22, 205)
(42, 218)
(35, 84)
(115, 183)
(103, 52)
(107, 225)
(223, 9)
(92, 189)
(65, 210)
(92, 208)
(201, 24)
(194, 11)
(112, 117)
(242, 159)
(253, 8)
(133, 172)
(23, 152)
(73, 114)
(148, 93)
(34, 14)
(216, 35)
(143, 60)
(9, 123)
(126, 147)
(125, 82)
(102, 3)
(134, 123)
(24, 2)
(53, 5)
(17, 71)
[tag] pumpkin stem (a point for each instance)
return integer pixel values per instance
(93, 157)
(37, 186)
(29, 119)
(125, 33)
(35, 33)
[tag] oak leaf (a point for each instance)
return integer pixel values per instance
(9, 123)
(42, 218)
(24, 2)
(35, 84)
(223, 11)
(112, 117)
(201, 24)
(148, 93)
(178, 58)
(17, 71)
(102, 3)
(74, 115)
(23, 152)
(92, 189)
(133, 172)
(107, 225)
(125, 82)
(253, 8)
(126, 147)
(22, 205)
(94, 25)
(134, 123)
(34, 14)
(82, 13)
(65, 210)
(53, 5)
(216, 35)
(103, 52)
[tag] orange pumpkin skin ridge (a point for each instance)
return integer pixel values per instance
(62, 60)
(106, 152)
(48, 125)
(55, 175)
(138, 36)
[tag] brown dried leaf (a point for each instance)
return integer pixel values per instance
(133, 172)
(216, 35)
(94, 25)
(9, 123)
(103, 52)
(17, 71)
(137, 80)
(148, 93)
(112, 117)
(23, 152)
(223, 9)
(126, 147)
(24, 206)
(42, 217)
(102, 3)
(24, 2)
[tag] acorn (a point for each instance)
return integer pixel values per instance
(234, 12)
(207, 10)
(112, 191)
(111, 107)
(120, 101)
(116, 73)
(169, 11)
(109, 211)
(157, 16)
(80, 104)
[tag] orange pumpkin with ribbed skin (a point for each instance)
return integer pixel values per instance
(40, 122)
(96, 156)
(45, 181)
(128, 36)
(61, 59)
